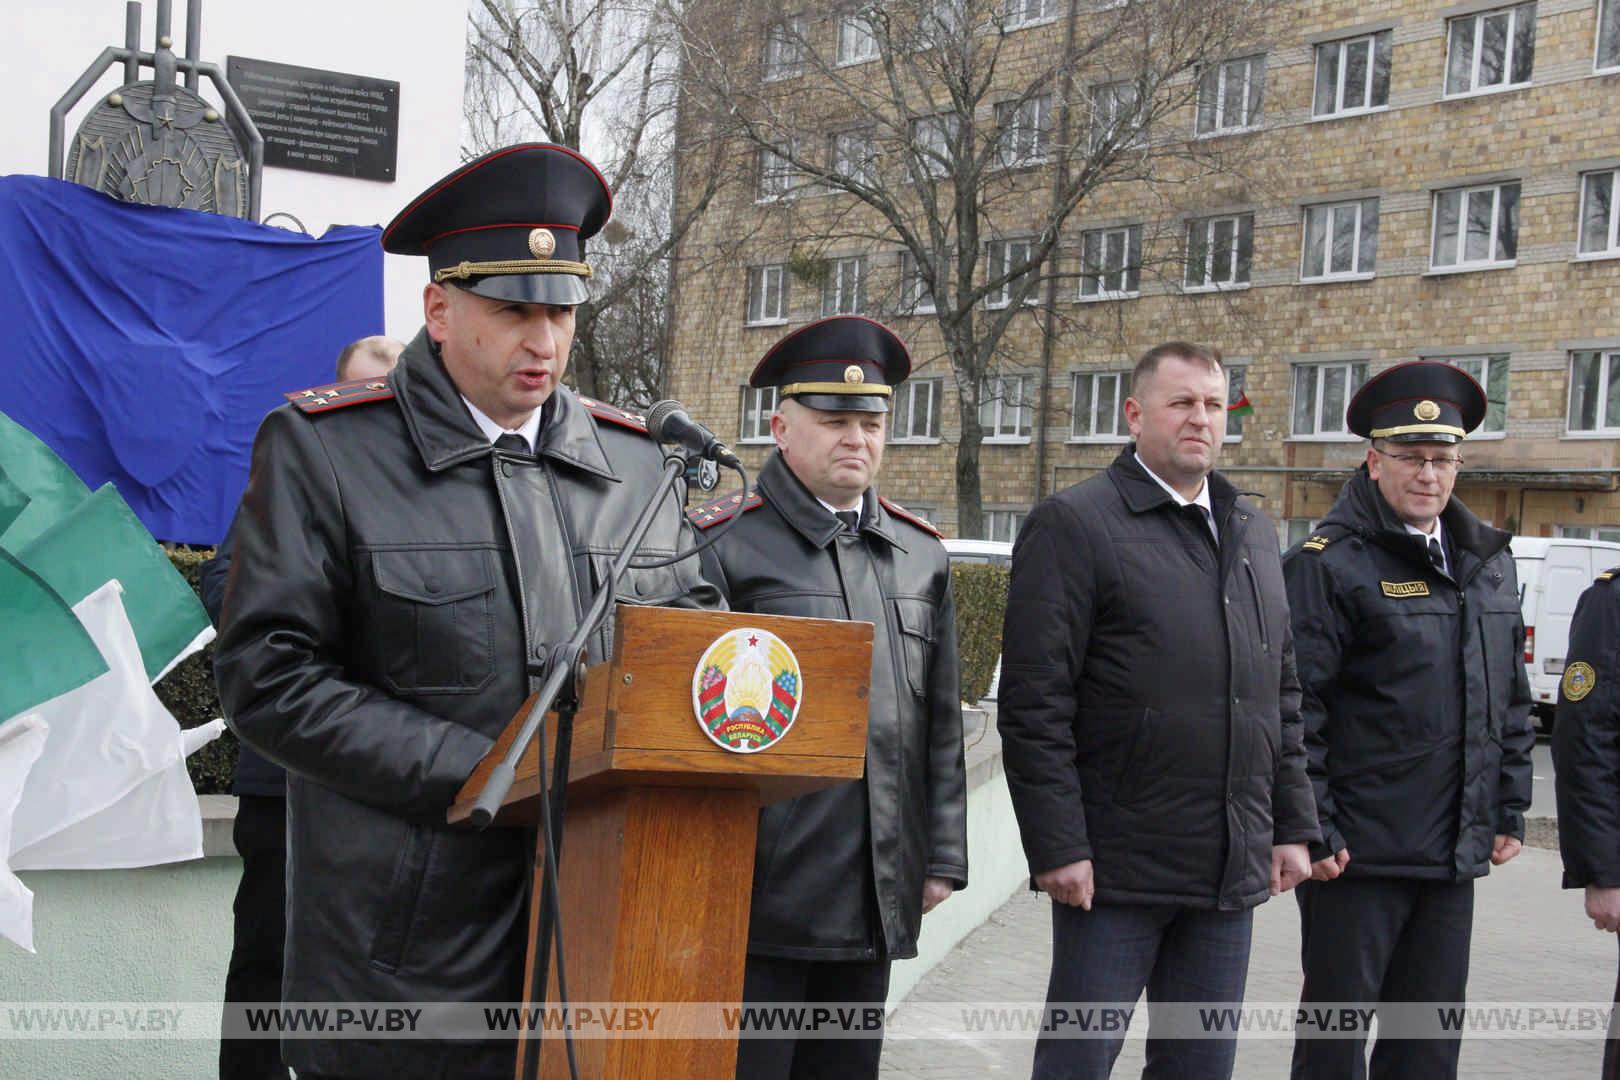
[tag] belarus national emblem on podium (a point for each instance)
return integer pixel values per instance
(747, 690)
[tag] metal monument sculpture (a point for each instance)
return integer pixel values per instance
(158, 142)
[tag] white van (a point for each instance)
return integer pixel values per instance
(1553, 572)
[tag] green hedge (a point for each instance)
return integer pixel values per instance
(981, 600)
(188, 692)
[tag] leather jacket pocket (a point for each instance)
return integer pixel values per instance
(434, 627)
(916, 621)
(404, 892)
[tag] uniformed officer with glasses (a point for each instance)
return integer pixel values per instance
(1408, 637)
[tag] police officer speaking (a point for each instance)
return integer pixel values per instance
(1409, 641)
(405, 548)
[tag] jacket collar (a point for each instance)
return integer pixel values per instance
(802, 510)
(1143, 494)
(1362, 509)
(445, 434)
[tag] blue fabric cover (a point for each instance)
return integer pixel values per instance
(146, 344)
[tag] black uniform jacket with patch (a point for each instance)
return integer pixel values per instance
(1148, 707)
(393, 576)
(1416, 702)
(1586, 740)
(838, 874)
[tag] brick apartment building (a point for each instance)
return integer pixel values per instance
(1421, 181)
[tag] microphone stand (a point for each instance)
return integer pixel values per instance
(564, 671)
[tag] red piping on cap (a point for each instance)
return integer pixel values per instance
(481, 162)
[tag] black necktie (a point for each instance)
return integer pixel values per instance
(1436, 555)
(513, 444)
(850, 518)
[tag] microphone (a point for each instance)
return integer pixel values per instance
(669, 422)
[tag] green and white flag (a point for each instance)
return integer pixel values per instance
(101, 540)
(92, 613)
(48, 653)
(49, 487)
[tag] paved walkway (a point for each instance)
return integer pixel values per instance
(1532, 943)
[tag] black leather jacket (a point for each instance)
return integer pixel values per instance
(392, 576)
(838, 875)
(1416, 703)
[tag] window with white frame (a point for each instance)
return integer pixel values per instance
(1475, 227)
(1321, 392)
(758, 403)
(916, 298)
(1004, 256)
(1237, 400)
(784, 49)
(1099, 406)
(767, 294)
(1024, 12)
(931, 138)
(1110, 263)
(1219, 251)
(1229, 95)
(1005, 409)
(1295, 530)
(1023, 129)
(1003, 525)
(1490, 50)
(1609, 533)
(1608, 35)
(1594, 391)
(1600, 221)
(778, 178)
(1341, 241)
(851, 154)
(1115, 115)
(845, 290)
(1491, 372)
(856, 41)
(1352, 76)
(914, 416)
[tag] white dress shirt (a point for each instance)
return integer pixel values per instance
(1201, 500)
(529, 432)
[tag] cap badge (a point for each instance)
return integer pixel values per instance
(541, 243)
(1426, 410)
(854, 374)
(747, 689)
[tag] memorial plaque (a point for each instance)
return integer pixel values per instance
(320, 121)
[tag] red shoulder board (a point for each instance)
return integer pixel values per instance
(906, 515)
(337, 395)
(613, 415)
(723, 509)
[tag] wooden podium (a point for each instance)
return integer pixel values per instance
(657, 867)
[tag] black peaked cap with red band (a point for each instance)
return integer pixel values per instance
(845, 363)
(510, 225)
(1421, 401)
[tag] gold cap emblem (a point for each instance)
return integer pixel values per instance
(854, 374)
(542, 243)
(1426, 410)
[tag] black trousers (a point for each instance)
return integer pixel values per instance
(1368, 939)
(254, 974)
(850, 1056)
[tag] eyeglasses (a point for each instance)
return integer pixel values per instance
(1443, 463)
